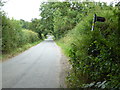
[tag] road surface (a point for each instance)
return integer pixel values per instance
(38, 67)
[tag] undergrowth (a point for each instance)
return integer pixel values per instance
(94, 55)
(17, 51)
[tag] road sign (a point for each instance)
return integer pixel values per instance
(97, 18)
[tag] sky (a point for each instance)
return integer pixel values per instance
(26, 9)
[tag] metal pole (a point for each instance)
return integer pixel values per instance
(94, 20)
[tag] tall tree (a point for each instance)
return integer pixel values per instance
(35, 25)
(47, 17)
(24, 24)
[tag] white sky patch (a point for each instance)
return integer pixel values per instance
(27, 9)
(22, 9)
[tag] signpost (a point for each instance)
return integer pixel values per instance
(97, 18)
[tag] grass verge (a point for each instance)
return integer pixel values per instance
(65, 48)
(66, 66)
(4, 57)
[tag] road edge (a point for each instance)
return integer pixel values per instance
(64, 69)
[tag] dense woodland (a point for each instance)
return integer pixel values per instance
(94, 55)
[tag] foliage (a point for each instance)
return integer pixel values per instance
(35, 25)
(47, 17)
(60, 17)
(94, 55)
(13, 36)
(15, 33)
(1, 12)
(29, 36)
(18, 50)
(24, 24)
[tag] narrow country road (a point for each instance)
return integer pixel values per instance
(38, 67)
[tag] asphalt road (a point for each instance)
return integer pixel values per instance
(38, 67)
